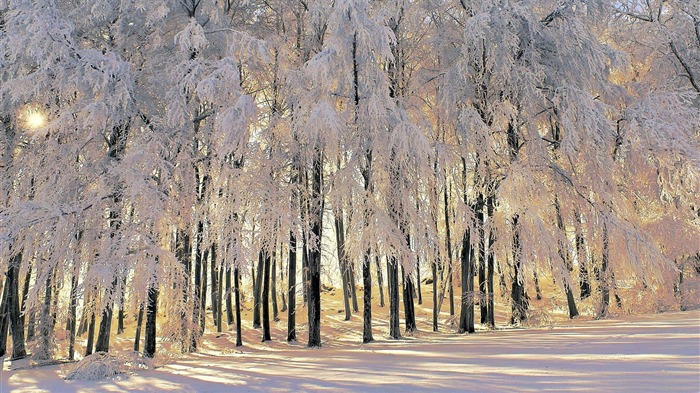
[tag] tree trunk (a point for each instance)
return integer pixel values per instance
(91, 335)
(520, 304)
(420, 292)
(393, 279)
(448, 242)
(72, 321)
(197, 300)
(583, 275)
(229, 302)
(214, 271)
(564, 255)
(537, 286)
(203, 304)
(265, 299)
(380, 281)
(466, 318)
(25, 293)
(483, 309)
(13, 308)
(219, 300)
(257, 288)
(409, 308)
(149, 343)
(603, 280)
(273, 287)
(351, 282)
(291, 288)
(237, 296)
(367, 336)
(490, 310)
(139, 325)
(4, 319)
(435, 293)
(314, 298)
(102, 344)
(340, 246)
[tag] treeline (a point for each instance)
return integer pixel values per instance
(159, 157)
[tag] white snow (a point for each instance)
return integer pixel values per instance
(639, 354)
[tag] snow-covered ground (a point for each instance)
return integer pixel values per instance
(645, 353)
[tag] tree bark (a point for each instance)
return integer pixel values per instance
(409, 308)
(91, 335)
(214, 271)
(490, 310)
(273, 287)
(4, 318)
(149, 343)
(265, 299)
(139, 325)
(520, 304)
(380, 281)
(466, 318)
(72, 321)
(237, 296)
(229, 302)
(393, 279)
(291, 288)
(257, 288)
(314, 298)
(13, 307)
(340, 246)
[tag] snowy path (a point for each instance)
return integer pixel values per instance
(651, 353)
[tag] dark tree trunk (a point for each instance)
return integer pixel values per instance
(603, 280)
(91, 335)
(537, 286)
(380, 281)
(25, 292)
(183, 253)
(219, 300)
(139, 325)
(466, 318)
(229, 302)
(257, 288)
(583, 275)
(4, 319)
(149, 342)
(351, 282)
(490, 311)
(102, 344)
(393, 279)
(72, 317)
(273, 287)
(564, 255)
(120, 313)
(409, 308)
(520, 304)
(342, 263)
(420, 292)
(314, 299)
(265, 299)
(367, 336)
(13, 308)
(237, 296)
(305, 268)
(449, 251)
(214, 271)
(197, 286)
(435, 293)
(483, 309)
(203, 304)
(291, 288)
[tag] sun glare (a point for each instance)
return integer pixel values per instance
(32, 118)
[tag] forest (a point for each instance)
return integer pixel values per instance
(181, 165)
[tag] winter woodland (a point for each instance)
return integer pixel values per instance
(166, 164)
